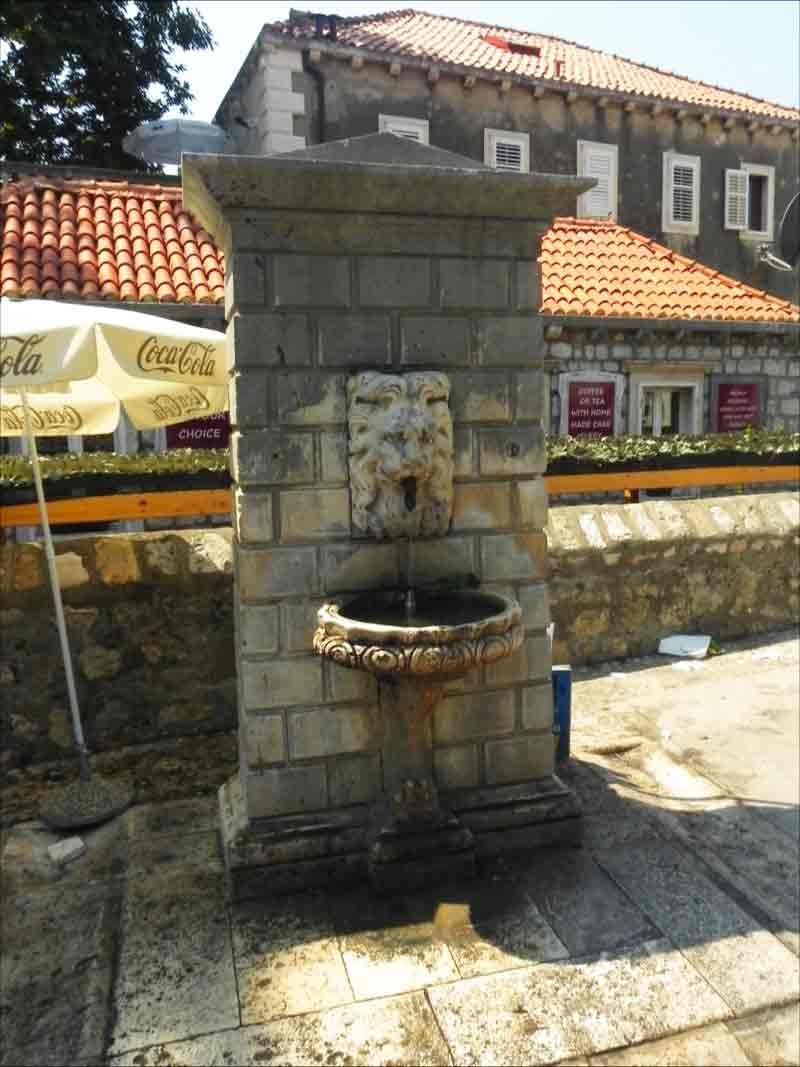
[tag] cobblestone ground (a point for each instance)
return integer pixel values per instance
(671, 937)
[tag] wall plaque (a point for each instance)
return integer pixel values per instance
(590, 408)
(738, 406)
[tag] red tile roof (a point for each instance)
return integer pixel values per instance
(115, 240)
(598, 268)
(533, 57)
(105, 240)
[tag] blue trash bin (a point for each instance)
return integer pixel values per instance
(562, 709)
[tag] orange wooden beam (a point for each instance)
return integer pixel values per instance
(92, 509)
(121, 506)
(674, 479)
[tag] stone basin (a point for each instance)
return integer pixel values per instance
(446, 634)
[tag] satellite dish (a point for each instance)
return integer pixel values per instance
(788, 240)
(164, 140)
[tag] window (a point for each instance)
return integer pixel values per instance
(598, 161)
(680, 205)
(666, 400)
(411, 129)
(750, 200)
(506, 150)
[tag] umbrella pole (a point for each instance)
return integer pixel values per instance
(77, 729)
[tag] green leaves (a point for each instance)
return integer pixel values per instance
(16, 470)
(77, 77)
(621, 449)
(598, 452)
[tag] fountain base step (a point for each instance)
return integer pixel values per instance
(409, 856)
(265, 857)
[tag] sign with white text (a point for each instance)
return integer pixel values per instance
(211, 432)
(590, 408)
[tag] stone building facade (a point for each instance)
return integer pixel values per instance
(681, 367)
(660, 145)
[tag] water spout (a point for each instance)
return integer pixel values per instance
(410, 493)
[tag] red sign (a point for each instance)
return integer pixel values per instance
(591, 408)
(211, 432)
(737, 406)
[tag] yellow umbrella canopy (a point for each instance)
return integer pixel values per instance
(80, 365)
(70, 369)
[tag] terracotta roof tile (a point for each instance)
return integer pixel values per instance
(534, 57)
(588, 267)
(111, 239)
(603, 269)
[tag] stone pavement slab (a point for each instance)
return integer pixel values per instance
(551, 1012)
(588, 911)
(710, 1046)
(175, 976)
(287, 957)
(399, 1030)
(56, 970)
(747, 966)
(770, 1038)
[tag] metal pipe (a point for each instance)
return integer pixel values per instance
(77, 729)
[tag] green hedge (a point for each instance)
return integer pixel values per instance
(597, 453)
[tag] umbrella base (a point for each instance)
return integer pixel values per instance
(85, 803)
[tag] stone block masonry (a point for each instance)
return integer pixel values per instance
(342, 297)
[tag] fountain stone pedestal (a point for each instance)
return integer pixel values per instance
(413, 839)
(387, 383)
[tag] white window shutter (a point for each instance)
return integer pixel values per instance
(507, 151)
(598, 161)
(736, 196)
(411, 129)
(681, 194)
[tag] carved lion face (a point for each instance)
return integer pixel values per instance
(401, 453)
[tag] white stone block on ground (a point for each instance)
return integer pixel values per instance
(66, 850)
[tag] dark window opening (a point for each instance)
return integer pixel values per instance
(757, 210)
(511, 46)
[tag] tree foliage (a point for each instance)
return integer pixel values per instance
(77, 76)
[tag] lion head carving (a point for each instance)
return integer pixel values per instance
(400, 453)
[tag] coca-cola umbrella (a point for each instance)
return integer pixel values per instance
(71, 369)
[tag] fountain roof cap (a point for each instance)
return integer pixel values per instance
(379, 173)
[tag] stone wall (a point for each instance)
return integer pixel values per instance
(624, 576)
(151, 622)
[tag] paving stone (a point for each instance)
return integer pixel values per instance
(57, 973)
(390, 945)
(385, 1032)
(559, 1010)
(711, 1046)
(175, 975)
(195, 815)
(287, 958)
(752, 855)
(484, 939)
(151, 856)
(746, 965)
(770, 1037)
(584, 906)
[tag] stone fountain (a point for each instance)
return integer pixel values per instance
(395, 705)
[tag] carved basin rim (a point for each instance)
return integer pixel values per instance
(504, 614)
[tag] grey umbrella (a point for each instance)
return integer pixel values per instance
(164, 140)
